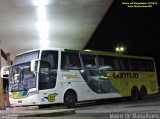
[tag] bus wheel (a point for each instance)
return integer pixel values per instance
(70, 99)
(134, 94)
(143, 92)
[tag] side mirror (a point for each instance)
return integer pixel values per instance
(33, 65)
(5, 72)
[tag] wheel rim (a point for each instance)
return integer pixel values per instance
(69, 99)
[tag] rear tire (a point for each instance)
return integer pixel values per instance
(70, 99)
(134, 94)
(143, 92)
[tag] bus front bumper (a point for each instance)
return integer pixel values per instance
(26, 101)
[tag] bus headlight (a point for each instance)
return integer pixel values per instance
(10, 94)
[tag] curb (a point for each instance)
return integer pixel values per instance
(2, 106)
(38, 113)
(48, 113)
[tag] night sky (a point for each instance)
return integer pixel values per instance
(137, 29)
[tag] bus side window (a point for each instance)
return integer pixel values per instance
(122, 65)
(117, 64)
(148, 65)
(89, 61)
(70, 61)
(133, 64)
(151, 66)
(101, 61)
(126, 64)
(51, 57)
(106, 63)
(75, 61)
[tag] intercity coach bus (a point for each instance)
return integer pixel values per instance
(50, 76)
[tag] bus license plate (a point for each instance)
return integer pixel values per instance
(19, 101)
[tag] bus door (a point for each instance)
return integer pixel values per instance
(48, 77)
(90, 73)
(105, 85)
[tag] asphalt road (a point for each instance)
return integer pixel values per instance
(119, 108)
(148, 108)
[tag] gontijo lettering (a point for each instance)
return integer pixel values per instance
(125, 75)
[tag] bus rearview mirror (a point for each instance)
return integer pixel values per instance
(5, 72)
(33, 65)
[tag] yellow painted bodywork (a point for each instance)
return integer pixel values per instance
(124, 85)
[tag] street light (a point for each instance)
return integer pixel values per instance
(120, 49)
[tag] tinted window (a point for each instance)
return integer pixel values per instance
(27, 57)
(126, 64)
(70, 60)
(108, 62)
(51, 57)
(89, 61)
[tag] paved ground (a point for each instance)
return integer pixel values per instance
(109, 109)
(119, 109)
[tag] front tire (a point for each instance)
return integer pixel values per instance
(70, 99)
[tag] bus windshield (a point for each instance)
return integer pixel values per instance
(22, 79)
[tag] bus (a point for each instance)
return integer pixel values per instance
(44, 77)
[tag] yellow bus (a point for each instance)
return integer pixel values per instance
(132, 76)
(49, 76)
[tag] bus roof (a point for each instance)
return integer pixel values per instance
(57, 49)
(96, 52)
